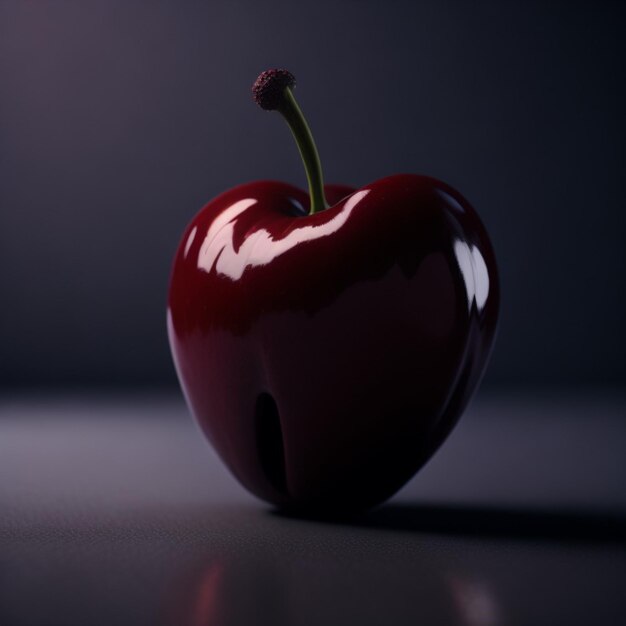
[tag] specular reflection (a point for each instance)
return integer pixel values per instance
(260, 247)
(474, 600)
(406, 564)
(330, 583)
(475, 274)
(229, 590)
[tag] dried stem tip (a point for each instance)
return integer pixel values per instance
(269, 88)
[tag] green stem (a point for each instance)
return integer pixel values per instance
(290, 110)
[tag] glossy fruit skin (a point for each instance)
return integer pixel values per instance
(327, 356)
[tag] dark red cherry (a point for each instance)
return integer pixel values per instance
(327, 351)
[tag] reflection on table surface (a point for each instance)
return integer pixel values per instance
(115, 512)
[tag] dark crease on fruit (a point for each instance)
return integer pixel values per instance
(269, 439)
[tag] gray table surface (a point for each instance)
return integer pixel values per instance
(114, 510)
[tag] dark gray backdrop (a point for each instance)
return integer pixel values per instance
(118, 120)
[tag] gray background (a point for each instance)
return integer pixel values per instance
(119, 120)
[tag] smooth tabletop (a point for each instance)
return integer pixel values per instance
(114, 510)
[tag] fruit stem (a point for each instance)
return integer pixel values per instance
(289, 109)
(272, 91)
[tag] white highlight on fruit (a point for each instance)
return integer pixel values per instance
(475, 273)
(220, 234)
(259, 248)
(192, 236)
